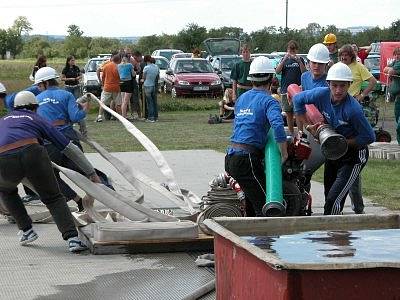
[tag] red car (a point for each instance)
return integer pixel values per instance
(192, 77)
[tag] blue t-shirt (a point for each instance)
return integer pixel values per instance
(57, 104)
(22, 124)
(308, 82)
(255, 113)
(125, 71)
(9, 102)
(151, 72)
(346, 117)
(291, 73)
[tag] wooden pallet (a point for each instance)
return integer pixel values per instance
(202, 243)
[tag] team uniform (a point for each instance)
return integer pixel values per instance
(255, 113)
(346, 118)
(22, 155)
(9, 101)
(59, 108)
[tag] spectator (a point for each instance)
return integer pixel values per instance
(239, 74)
(150, 74)
(71, 75)
(196, 53)
(127, 75)
(361, 53)
(393, 70)
(291, 66)
(136, 105)
(40, 63)
(359, 71)
(110, 81)
(227, 106)
(330, 42)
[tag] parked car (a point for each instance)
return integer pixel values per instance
(167, 53)
(223, 64)
(372, 63)
(91, 83)
(181, 55)
(162, 64)
(223, 53)
(191, 77)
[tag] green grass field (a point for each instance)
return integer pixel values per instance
(183, 125)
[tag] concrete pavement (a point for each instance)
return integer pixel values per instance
(45, 270)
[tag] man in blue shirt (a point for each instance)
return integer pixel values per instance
(150, 74)
(343, 113)
(318, 56)
(255, 113)
(59, 107)
(23, 156)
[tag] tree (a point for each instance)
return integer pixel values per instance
(74, 30)
(3, 43)
(14, 42)
(191, 37)
(22, 25)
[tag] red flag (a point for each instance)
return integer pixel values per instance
(386, 58)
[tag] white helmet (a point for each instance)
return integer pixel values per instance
(318, 53)
(24, 98)
(2, 88)
(339, 72)
(260, 65)
(45, 73)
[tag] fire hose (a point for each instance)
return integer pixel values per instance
(189, 199)
(333, 145)
(225, 198)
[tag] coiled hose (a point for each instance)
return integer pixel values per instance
(224, 199)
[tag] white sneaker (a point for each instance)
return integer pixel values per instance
(99, 118)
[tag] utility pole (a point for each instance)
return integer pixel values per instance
(287, 4)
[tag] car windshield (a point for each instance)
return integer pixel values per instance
(193, 66)
(162, 63)
(93, 65)
(168, 54)
(372, 63)
(227, 63)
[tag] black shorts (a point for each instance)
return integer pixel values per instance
(126, 86)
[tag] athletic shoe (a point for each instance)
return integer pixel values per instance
(28, 237)
(150, 121)
(29, 198)
(76, 245)
(99, 119)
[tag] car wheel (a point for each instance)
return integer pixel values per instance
(173, 92)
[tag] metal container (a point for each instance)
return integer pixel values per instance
(244, 271)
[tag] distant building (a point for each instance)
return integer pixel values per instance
(357, 29)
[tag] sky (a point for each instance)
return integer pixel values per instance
(118, 18)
